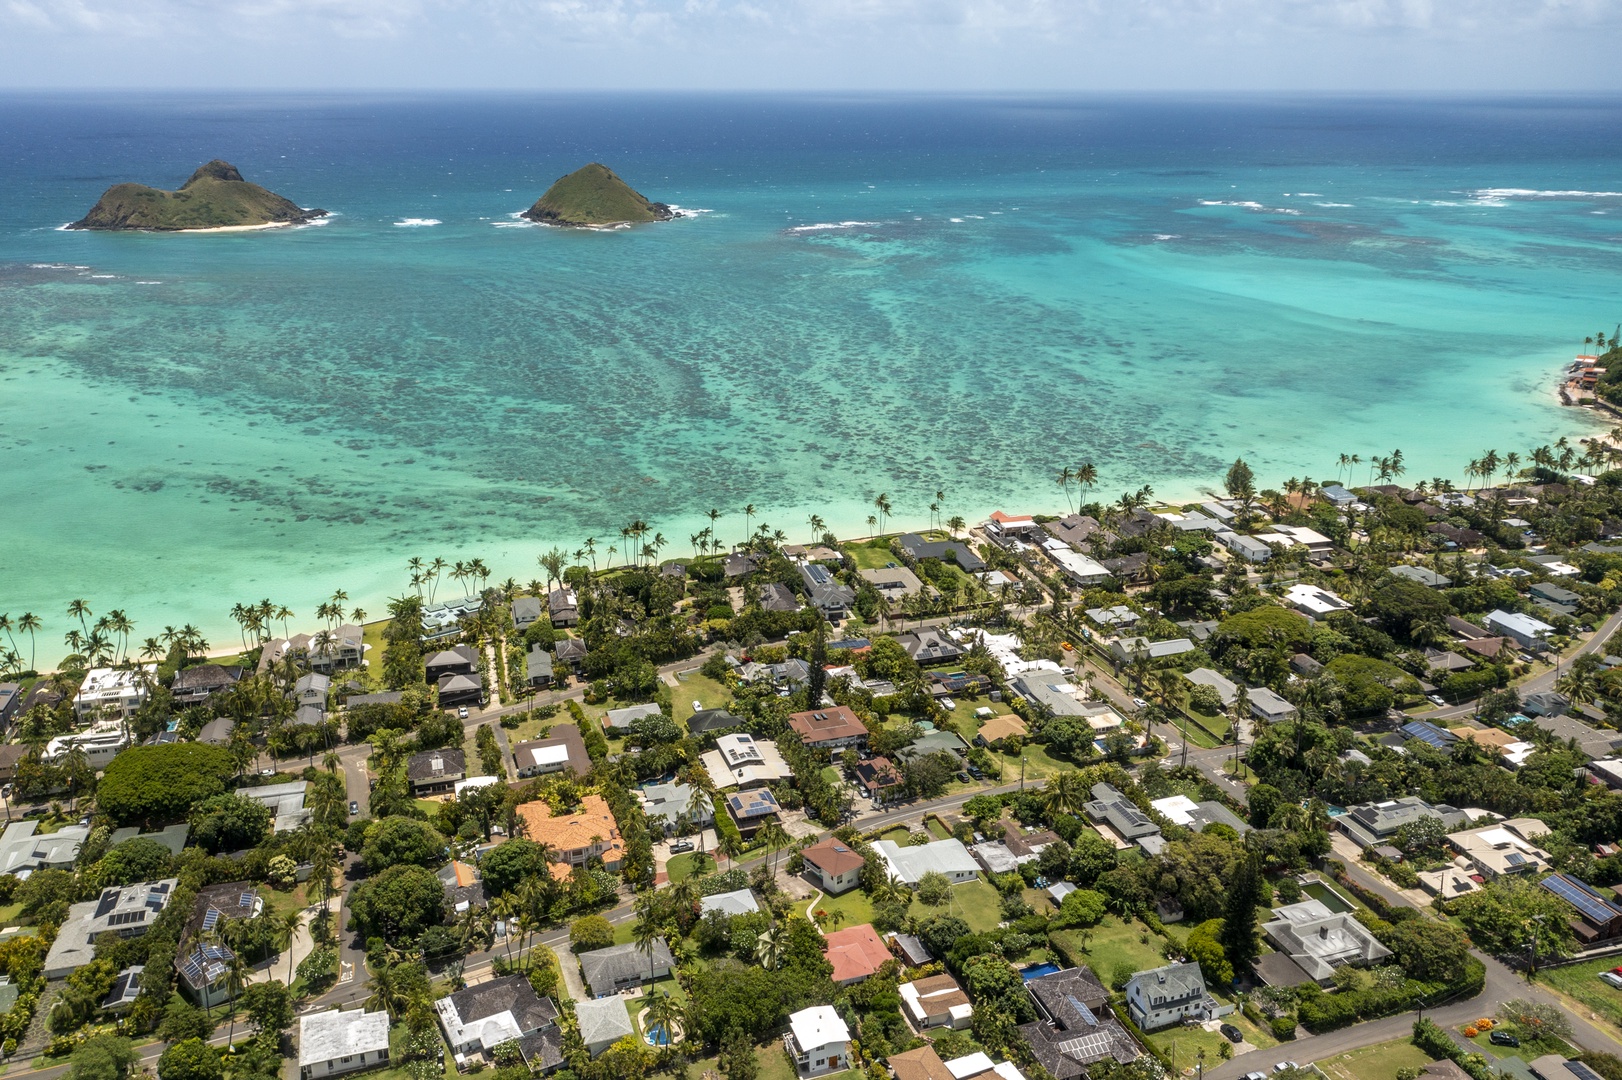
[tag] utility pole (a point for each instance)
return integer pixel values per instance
(1022, 773)
(1532, 949)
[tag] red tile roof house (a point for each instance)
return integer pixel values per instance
(835, 864)
(829, 729)
(856, 953)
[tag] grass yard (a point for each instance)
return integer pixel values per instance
(1581, 983)
(869, 558)
(1526, 1051)
(771, 1062)
(1183, 1046)
(680, 867)
(1039, 764)
(701, 688)
(936, 828)
(1114, 944)
(975, 902)
(371, 636)
(1378, 1062)
(281, 901)
(667, 985)
(397, 1036)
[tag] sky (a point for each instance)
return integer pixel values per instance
(1374, 46)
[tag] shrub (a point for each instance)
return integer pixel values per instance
(1283, 1028)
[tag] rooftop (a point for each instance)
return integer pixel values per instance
(338, 1035)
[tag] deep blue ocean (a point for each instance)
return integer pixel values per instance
(873, 294)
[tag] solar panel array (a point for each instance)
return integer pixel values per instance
(1086, 1014)
(1429, 733)
(210, 918)
(1588, 905)
(1581, 1071)
(1094, 1046)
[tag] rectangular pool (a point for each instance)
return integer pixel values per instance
(1326, 896)
(1036, 971)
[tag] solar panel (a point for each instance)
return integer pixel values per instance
(1428, 733)
(247, 900)
(1086, 1013)
(1581, 1071)
(210, 917)
(1588, 905)
(1087, 1048)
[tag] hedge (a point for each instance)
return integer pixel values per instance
(1430, 1038)
(591, 734)
(1136, 1032)
(725, 827)
(1327, 1012)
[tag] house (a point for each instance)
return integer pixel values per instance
(937, 1001)
(829, 729)
(1507, 847)
(1055, 692)
(836, 867)
(1076, 1027)
(894, 583)
(432, 772)
(920, 1064)
(538, 667)
(751, 809)
(1319, 940)
(1555, 594)
(571, 652)
(1595, 916)
(1448, 882)
(340, 648)
(1557, 1067)
(11, 755)
(1266, 705)
(444, 619)
(929, 647)
(602, 1023)
(126, 988)
(909, 864)
(128, 911)
(998, 728)
(917, 548)
(818, 1041)
(574, 839)
(1370, 824)
(24, 850)
(1423, 576)
(193, 685)
(706, 721)
(622, 719)
(743, 761)
(561, 748)
(285, 801)
(464, 888)
(1079, 568)
(112, 693)
(457, 660)
(909, 949)
(939, 741)
(334, 1042)
(461, 689)
(1125, 822)
(1314, 541)
(1226, 690)
(1119, 617)
(1003, 527)
(856, 953)
(739, 564)
(486, 1015)
(1547, 703)
(1181, 810)
(621, 967)
(1246, 547)
(828, 594)
(672, 808)
(737, 902)
(1076, 529)
(775, 596)
(101, 742)
(1170, 995)
(11, 702)
(563, 607)
(1525, 631)
(1127, 649)
(203, 965)
(880, 779)
(1595, 742)
(526, 612)
(1314, 602)
(1337, 495)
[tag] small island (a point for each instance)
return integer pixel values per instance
(216, 197)
(593, 196)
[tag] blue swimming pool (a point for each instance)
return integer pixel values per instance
(657, 1035)
(1036, 971)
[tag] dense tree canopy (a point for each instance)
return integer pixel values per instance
(399, 903)
(153, 785)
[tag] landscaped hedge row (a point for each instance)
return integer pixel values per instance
(1430, 1038)
(1136, 1032)
(1326, 1012)
(591, 734)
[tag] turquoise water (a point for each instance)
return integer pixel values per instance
(881, 295)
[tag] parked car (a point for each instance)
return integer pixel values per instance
(461, 714)
(1618, 969)
(1502, 1038)
(1435, 699)
(1139, 703)
(1231, 1033)
(1256, 1076)
(948, 704)
(354, 807)
(681, 846)
(1613, 978)
(1285, 1066)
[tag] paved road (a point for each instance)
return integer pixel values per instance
(1545, 681)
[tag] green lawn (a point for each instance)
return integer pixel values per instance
(937, 828)
(1114, 944)
(397, 1036)
(1183, 1046)
(1526, 1051)
(1378, 1062)
(701, 688)
(869, 558)
(771, 1062)
(282, 901)
(1039, 764)
(1581, 981)
(975, 902)
(371, 636)
(680, 867)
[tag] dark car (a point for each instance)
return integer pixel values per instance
(354, 807)
(1502, 1038)
(1231, 1033)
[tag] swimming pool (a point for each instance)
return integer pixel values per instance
(1326, 896)
(1036, 971)
(657, 1036)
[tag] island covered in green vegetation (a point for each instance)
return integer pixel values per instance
(216, 197)
(593, 195)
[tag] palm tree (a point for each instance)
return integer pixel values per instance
(775, 838)
(872, 525)
(1066, 794)
(390, 992)
(78, 609)
(770, 946)
(284, 927)
(663, 1013)
(818, 527)
(882, 503)
(29, 623)
(1066, 477)
(749, 511)
(1087, 476)
(646, 930)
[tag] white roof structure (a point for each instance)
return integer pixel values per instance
(479, 782)
(337, 1035)
(1311, 600)
(603, 1019)
(542, 757)
(1225, 688)
(737, 902)
(817, 1026)
(22, 849)
(1179, 809)
(622, 718)
(286, 803)
(740, 759)
(910, 863)
(117, 688)
(977, 1063)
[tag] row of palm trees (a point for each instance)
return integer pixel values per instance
(1081, 476)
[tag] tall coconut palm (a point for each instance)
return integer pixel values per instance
(1066, 477)
(1065, 794)
(29, 623)
(645, 932)
(771, 945)
(775, 837)
(663, 1013)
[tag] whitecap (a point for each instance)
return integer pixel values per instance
(417, 223)
(824, 226)
(684, 211)
(975, 217)
(1168, 236)
(1309, 195)
(1534, 193)
(102, 277)
(956, 220)
(1334, 205)
(149, 283)
(1243, 204)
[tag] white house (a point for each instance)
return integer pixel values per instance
(1169, 995)
(817, 1040)
(100, 742)
(1266, 705)
(603, 1022)
(1313, 601)
(334, 1042)
(112, 692)
(1527, 632)
(909, 864)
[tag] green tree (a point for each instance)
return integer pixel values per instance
(590, 932)
(737, 1060)
(138, 859)
(192, 1059)
(1506, 916)
(102, 1057)
(269, 1005)
(150, 785)
(1084, 907)
(1238, 935)
(1204, 947)
(1428, 950)
(934, 888)
(398, 841)
(399, 903)
(229, 822)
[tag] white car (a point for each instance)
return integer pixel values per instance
(1256, 1076)
(1140, 703)
(1285, 1066)
(1613, 978)
(948, 704)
